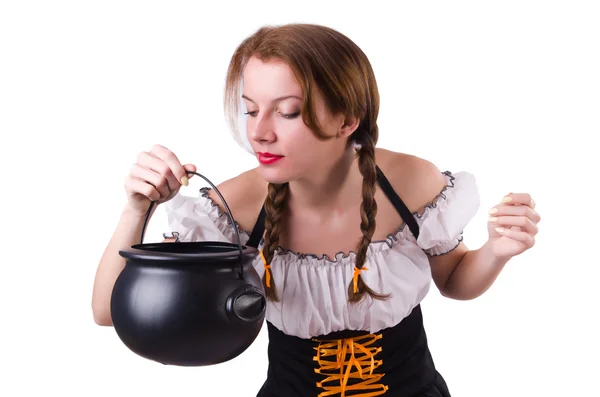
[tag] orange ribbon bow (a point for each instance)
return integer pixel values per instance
(356, 273)
(267, 267)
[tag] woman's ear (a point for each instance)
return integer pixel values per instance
(350, 124)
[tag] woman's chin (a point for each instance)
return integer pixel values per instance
(272, 175)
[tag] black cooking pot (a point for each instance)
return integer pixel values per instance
(188, 303)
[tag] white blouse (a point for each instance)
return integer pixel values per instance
(312, 289)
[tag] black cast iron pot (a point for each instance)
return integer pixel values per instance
(188, 303)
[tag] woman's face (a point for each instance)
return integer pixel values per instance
(285, 147)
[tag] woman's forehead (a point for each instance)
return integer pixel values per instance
(269, 81)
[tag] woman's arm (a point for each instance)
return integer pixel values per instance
(126, 234)
(466, 274)
(461, 273)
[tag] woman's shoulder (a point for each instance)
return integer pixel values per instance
(421, 184)
(244, 194)
(443, 202)
(417, 181)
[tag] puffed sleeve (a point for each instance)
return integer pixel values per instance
(443, 220)
(199, 219)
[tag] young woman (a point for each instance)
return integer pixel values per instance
(350, 236)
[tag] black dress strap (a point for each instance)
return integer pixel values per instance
(402, 209)
(405, 214)
(258, 230)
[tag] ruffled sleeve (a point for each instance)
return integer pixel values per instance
(443, 220)
(199, 219)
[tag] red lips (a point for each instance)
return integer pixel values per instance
(268, 158)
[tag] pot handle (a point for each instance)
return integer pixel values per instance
(237, 232)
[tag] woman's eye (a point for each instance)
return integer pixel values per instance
(284, 115)
(290, 115)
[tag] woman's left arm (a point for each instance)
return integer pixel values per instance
(465, 274)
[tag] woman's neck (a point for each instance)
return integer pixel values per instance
(335, 189)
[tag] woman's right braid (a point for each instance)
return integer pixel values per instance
(274, 204)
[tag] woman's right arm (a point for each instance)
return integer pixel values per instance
(156, 176)
(126, 234)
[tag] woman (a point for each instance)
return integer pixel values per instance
(350, 235)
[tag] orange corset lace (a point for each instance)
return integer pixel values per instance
(348, 366)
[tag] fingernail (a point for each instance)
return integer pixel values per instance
(500, 229)
(507, 199)
(184, 181)
(492, 219)
(493, 211)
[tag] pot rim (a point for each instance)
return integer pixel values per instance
(231, 252)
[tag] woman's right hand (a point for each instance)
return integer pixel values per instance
(157, 175)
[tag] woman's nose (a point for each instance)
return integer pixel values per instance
(261, 128)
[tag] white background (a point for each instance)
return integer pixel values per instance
(509, 91)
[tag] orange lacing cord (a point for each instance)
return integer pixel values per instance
(339, 370)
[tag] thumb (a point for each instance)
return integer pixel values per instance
(190, 167)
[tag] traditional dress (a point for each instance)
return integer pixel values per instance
(321, 345)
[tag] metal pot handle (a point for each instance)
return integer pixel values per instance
(237, 232)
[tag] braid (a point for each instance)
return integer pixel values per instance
(368, 211)
(274, 204)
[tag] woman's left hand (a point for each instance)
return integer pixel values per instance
(512, 225)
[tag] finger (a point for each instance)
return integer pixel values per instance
(154, 163)
(519, 198)
(519, 223)
(152, 177)
(172, 161)
(135, 185)
(520, 236)
(515, 210)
